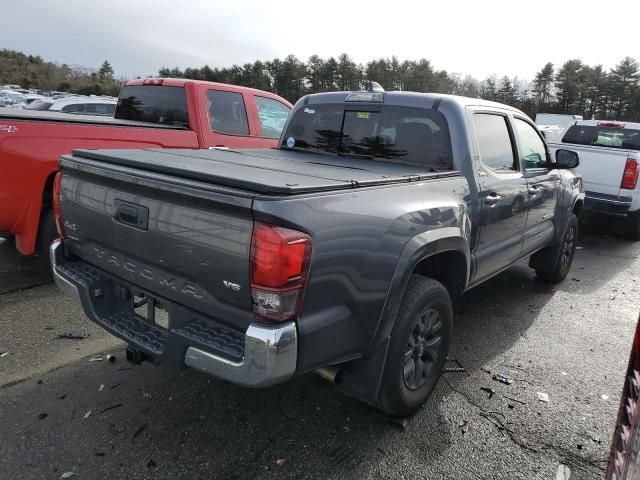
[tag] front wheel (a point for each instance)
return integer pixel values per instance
(552, 264)
(418, 346)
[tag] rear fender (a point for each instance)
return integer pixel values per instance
(361, 378)
(27, 227)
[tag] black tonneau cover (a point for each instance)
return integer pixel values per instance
(267, 171)
(48, 116)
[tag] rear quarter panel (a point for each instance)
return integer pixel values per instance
(358, 239)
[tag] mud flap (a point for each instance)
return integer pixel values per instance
(361, 378)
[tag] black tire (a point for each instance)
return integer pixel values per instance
(552, 264)
(633, 226)
(420, 336)
(47, 233)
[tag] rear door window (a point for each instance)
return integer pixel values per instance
(227, 112)
(612, 135)
(155, 104)
(273, 115)
(494, 142)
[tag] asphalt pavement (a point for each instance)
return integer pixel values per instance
(61, 412)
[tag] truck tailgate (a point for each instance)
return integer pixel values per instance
(602, 168)
(176, 240)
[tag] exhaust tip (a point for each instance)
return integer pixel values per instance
(330, 374)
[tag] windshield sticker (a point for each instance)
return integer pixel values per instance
(291, 142)
(364, 115)
(310, 111)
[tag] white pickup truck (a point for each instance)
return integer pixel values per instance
(610, 166)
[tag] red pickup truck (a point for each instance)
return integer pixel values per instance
(151, 113)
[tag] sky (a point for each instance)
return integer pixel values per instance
(479, 38)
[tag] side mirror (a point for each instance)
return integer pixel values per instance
(567, 159)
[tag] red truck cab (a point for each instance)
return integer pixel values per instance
(151, 113)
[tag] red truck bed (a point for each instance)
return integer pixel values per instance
(177, 114)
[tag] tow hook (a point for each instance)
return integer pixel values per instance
(135, 357)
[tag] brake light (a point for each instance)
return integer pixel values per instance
(152, 81)
(57, 212)
(630, 175)
(280, 260)
(610, 125)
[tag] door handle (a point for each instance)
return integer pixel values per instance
(492, 199)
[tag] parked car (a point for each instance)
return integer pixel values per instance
(624, 462)
(557, 119)
(610, 167)
(81, 105)
(552, 133)
(342, 250)
(151, 113)
(10, 97)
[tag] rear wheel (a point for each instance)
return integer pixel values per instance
(633, 226)
(418, 346)
(552, 264)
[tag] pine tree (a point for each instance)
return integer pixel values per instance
(542, 87)
(106, 71)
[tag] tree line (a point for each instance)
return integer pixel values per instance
(32, 71)
(574, 87)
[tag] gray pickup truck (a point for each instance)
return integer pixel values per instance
(341, 251)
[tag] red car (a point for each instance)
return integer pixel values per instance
(624, 461)
(151, 113)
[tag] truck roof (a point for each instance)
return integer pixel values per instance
(410, 99)
(182, 82)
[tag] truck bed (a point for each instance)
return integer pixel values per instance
(264, 171)
(45, 116)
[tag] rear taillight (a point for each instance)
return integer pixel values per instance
(630, 175)
(280, 260)
(57, 212)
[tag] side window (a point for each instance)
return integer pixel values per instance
(227, 113)
(534, 154)
(494, 142)
(273, 116)
(75, 108)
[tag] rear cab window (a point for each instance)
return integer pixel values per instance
(154, 104)
(272, 115)
(606, 134)
(227, 112)
(408, 135)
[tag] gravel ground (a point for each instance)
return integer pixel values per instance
(569, 341)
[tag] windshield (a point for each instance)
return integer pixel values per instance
(624, 138)
(415, 136)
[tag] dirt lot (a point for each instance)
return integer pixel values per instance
(569, 341)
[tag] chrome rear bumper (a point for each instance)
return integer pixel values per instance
(270, 351)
